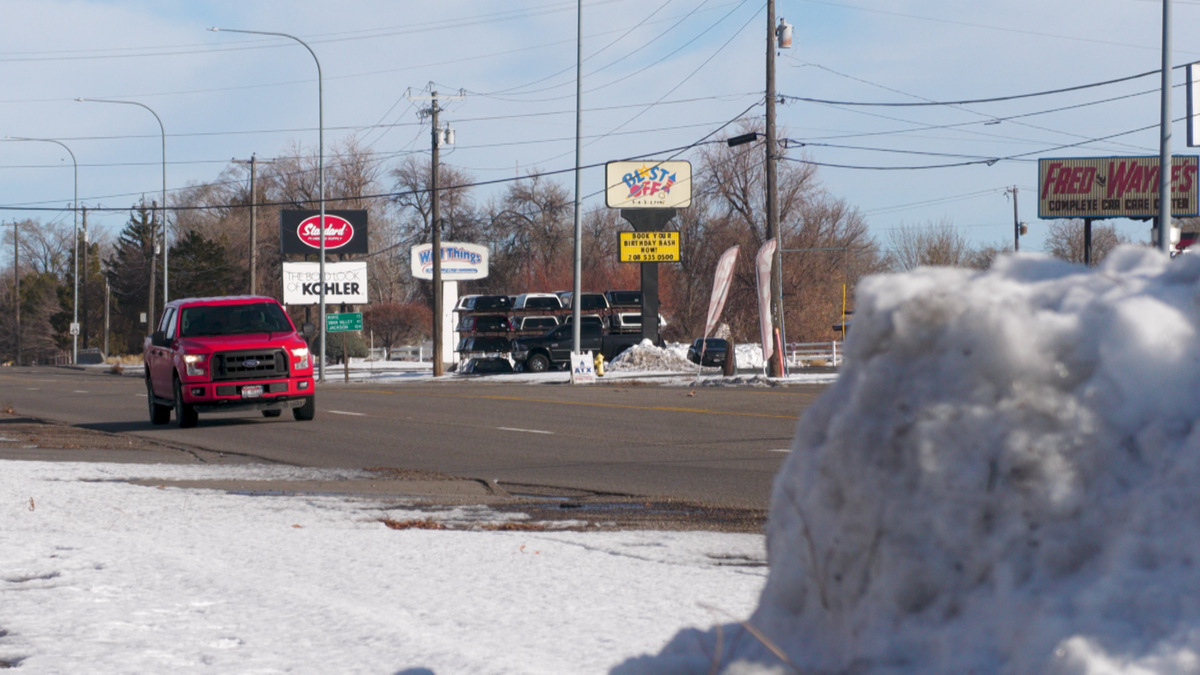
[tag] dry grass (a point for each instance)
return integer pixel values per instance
(412, 524)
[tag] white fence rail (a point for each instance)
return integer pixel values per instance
(809, 354)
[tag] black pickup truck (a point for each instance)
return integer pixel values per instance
(554, 348)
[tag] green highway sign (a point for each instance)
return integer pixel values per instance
(336, 323)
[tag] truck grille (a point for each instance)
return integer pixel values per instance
(250, 364)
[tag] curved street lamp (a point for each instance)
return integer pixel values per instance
(320, 176)
(75, 309)
(163, 130)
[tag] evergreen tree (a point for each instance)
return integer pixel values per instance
(203, 267)
(128, 272)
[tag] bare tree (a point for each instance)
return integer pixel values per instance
(930, 245)
(1064, 240)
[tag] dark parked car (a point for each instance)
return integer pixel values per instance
(483, 303)
(486, 366)
(483, 324)
(537, 323)
(553, 350)
(715, 351)
(487, 345)
(624, 298)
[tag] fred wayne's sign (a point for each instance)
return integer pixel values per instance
(345, 282)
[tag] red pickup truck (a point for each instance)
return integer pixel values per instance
(228, 354)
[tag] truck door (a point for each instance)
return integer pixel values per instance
(160, 361)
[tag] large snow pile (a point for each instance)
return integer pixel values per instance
(645, 356)
(1005, 479)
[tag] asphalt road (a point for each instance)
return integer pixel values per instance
(721, 446)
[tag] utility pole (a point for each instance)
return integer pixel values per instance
(153, 265)
(772, 186)
(436, 226)
(84, 281)
(17, 287)
(253, 162)
(107, 302)
(1165, 162)
(1016, 222)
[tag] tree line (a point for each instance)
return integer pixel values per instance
(528, 226)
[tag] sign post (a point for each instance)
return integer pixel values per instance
(648, 194)
(343, 323)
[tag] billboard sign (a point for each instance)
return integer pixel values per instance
(460, 262)
(648, 184)
(345, 282)
(1114, 187)
(649, 246)
(345, 231)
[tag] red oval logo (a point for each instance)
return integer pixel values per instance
(338, 231)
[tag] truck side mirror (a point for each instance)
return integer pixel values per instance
(308, 330)
(158, 338)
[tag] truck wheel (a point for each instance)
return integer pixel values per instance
(272, 413)
(159, 414)
(307, 411)
(185, 414)
(537, 363)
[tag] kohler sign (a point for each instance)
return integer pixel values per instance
(345, 283)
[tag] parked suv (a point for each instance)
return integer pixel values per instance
(227, 354)
(537, 301)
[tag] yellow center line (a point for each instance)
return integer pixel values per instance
(585, 403)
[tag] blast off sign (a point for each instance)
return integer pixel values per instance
(345, 231)
(1114, 187)
(649, 246)
(648, 185)
(345, 282)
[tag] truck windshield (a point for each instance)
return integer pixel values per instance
(257, 317)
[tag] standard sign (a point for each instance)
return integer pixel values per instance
(339, 323)
(649, 246)
(648, 185)
(345, 282)
(1114, 187)
(345, 231)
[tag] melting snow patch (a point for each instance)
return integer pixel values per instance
(645, 356)
(1005, 479)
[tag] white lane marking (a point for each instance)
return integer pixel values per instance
(80, 391)
(525, 431)
(142, 395)
(784, 450)
(343, 412)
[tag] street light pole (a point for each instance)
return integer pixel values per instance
(1165, 161)
(163, 211)
(75, 309)
(320, 175)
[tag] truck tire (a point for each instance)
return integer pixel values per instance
(159, 414)
(272, 413)
(185, 414)
(537, 363)
(307, 411)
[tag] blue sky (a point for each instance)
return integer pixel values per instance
(660, 74)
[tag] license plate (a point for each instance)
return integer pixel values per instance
(252, 391)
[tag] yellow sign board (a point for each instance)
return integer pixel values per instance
(649, 246)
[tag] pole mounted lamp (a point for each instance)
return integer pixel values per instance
(75, 309)
(166, 247)
(320, 173)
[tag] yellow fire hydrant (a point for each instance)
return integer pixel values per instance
(598, 362)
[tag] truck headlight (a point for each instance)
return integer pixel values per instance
(302, 354)
(195, 364)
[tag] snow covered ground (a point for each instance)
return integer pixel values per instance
(98, 575)
(1005, 479)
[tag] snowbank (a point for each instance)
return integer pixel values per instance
(645, 356)
(1005, 479)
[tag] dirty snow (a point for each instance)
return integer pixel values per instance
(101, 576)
(1005, 479)
(645, 356)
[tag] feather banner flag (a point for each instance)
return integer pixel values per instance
(720, 291)
(762, 264)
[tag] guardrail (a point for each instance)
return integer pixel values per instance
(809, 354)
